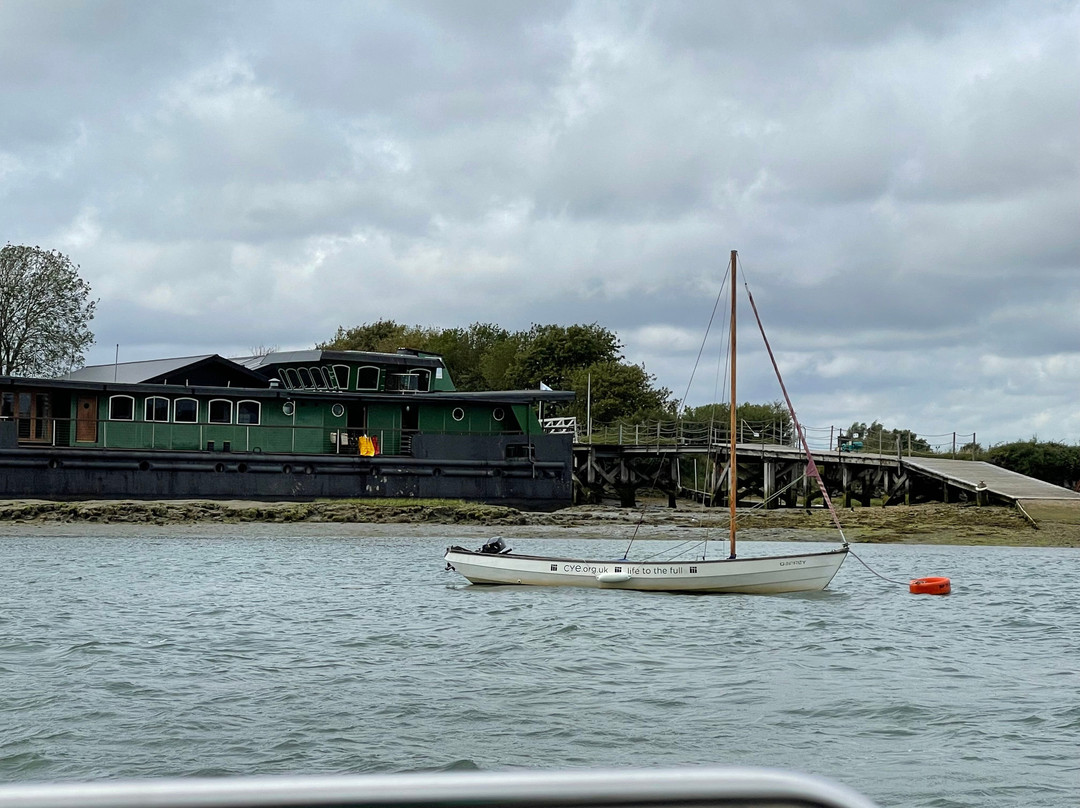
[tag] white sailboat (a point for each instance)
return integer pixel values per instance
(801, 572)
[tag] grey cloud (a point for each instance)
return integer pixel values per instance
(901, 181)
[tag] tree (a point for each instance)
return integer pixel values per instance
(757, 416)
(44, 313)
(617, 392)
(770, 422)
(1049, 461)
(384, 336)
(485, 356)
(470, 353)
(465, 350)
(551, 353)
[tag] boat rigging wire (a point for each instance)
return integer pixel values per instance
(811, 466)
(777, 494)
(626, 552)
(704, 340)
(721, 359)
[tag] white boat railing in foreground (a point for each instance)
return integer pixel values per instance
(640, 788)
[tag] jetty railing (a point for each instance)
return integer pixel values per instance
(688, 434)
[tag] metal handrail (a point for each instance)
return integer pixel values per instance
(173, 436)
(636, 788)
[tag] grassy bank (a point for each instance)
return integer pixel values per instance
(928, 524)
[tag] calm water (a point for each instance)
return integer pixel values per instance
(170, 651)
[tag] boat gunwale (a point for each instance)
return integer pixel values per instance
(456, 549)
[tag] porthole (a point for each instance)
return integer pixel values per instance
(458, 414)
(498, 413)
(288, 407)
(338, 410)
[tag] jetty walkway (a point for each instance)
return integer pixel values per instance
(776, 474)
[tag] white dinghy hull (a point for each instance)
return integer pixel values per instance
(804, 572)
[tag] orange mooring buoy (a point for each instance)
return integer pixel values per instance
(930, 586)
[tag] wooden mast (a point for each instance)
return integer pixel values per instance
(733, 477)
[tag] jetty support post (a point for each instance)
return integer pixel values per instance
(769, 483)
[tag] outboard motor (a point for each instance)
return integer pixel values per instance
(495, 546)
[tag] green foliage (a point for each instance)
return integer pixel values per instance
(1051, 462)
(971, 450)
(756, 416)
(45, 313)
(464, 350)
(551, 353)
(487, 357)
(383, 336)
(478, 356)
(617, 392)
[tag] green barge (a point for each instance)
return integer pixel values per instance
(283, 425)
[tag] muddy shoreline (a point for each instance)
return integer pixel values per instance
(916, 524)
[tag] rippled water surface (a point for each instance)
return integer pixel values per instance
(168, 651)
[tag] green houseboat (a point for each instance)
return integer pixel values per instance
(289, 424)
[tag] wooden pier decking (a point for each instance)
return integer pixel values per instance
(776, 474)
(1001, 483)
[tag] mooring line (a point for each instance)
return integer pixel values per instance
(875, 572)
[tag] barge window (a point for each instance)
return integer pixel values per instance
(292, 378)
(185, 411)
(156, 409)
(305, 378)
(323, 378)
(498, 414)
(402, 382)
(248, 412)
(341, 373)
(121, 408)
(367, 378)
(423, 379)
(220, 411)
(285, 378)
(458, 414)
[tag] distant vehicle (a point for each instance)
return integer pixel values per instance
(851, 446)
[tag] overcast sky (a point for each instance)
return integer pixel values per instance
(900, 180)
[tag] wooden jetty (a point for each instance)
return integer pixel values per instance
(775, 475)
